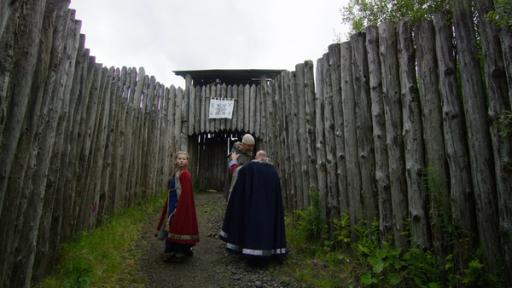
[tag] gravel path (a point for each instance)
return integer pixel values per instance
(211, 266)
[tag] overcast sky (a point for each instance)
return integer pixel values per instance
(167, 35)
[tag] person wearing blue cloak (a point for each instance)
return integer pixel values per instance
(254, 218)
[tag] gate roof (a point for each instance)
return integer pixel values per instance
(229, 76)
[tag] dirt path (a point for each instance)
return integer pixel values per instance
(211, 266)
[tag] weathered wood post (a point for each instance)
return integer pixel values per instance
(379, 134)
(394, 141)
(482, 167)
(413, 141)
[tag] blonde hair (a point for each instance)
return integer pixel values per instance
(182, 153)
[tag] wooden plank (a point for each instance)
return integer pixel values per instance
(479, 141)
(349, 123)
(379, 134)
(394, 141)
(413, 141)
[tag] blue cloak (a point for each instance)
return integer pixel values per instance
(254, 219)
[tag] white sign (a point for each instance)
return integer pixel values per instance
(221, 108)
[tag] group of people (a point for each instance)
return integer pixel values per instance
(253, 223)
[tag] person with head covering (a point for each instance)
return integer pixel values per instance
(241, 153)
(178, 220)
(254, 219)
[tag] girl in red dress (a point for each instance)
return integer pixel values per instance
(178, 220)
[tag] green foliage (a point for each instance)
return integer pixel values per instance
(307, 226)
(504, 123)
(102, 256)
(363, 13)
(331, 259)
(502, 14)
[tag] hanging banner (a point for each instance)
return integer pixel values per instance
(221, 108)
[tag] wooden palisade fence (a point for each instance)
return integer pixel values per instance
(395, 125)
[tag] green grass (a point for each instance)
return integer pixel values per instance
(105, 256)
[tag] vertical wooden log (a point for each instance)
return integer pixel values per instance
(223, 95)
(229, 121)
(290, 141)
(203, 108)
(184, 124)
(172, 115)
(337, 203)
(51, 223)
(240, 107)
(478, 134)
(333, 79)
(506, 47)
(349, 121)
(379, 134)
(234, 120)
(302, 136)
(211, 95)
(321, 164)
(499, 102)
(247, 108)
(12, 195)
(135, 139)
(198, 100)
(93, 82)
(25, 251)
(15, 93)
(82, 75)
(252, 108)
(461, 191)
(177, 118)
(191, 94)
(413, 141)
(257, 111)
(7, 9)
(394, 142)
(309, 90)
(364, 129)
(437, 171)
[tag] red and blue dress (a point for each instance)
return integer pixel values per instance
(179, 214)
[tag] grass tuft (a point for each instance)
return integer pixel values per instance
(105, 256)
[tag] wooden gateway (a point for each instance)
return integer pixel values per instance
(207, 137)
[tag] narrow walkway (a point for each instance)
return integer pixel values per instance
(211, 266)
